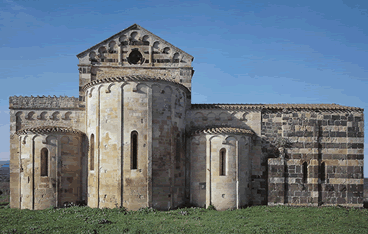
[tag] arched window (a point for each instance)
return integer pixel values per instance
(178, 151)
(134, 150)
(44, 162)
(222, 162)
(323, 172)
(305, 172)
(92, 153)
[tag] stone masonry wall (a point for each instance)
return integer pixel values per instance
(330, 142)
(203, 115)
(30, 112)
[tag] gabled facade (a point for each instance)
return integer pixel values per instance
(134, 139)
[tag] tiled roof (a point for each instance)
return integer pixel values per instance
(222, 130)
(48, 129)
(274, 106)
(130, 78)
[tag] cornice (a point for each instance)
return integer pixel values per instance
(132, 78)
(48, 129)
(274, 107)
(222, 130)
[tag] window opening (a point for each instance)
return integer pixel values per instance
(222, 162)
(44, 162)
(92, 153)
(323, 172)
(134, 57)
(305, 172)
(134, 150)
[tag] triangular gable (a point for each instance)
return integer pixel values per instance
(125, 33)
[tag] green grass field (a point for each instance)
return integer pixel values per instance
(257, 219)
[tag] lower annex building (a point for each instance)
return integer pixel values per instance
(134, 139)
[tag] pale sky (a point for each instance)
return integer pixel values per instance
(244, 51)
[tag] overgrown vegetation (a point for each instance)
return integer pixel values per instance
(4, 192)
(257, 219)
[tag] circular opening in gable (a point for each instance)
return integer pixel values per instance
(135, 56)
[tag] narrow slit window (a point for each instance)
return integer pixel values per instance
(92, 153)
(323, 172)
(305, 172)
(222, 162)
(134, 150)
(44, 162)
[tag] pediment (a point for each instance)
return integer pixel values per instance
(135, 46)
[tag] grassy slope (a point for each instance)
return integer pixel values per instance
(258, 219)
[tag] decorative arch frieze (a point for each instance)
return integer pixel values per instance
(55, 115)
(48, 140)
(211, 116)
(228, 138)
(108, 89)
(91, 92)
(30, 115)
(134, 79)
(64, 140)
(66, 115)
(141, 86)
(42, 115)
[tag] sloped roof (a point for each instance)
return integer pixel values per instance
(274, 106)
(134, 26)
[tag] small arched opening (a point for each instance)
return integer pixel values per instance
(134, 149)
(323, 172)
(222, 168)
(44, 162)
(305, 172)
(92, 153)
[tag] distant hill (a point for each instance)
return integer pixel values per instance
(4, 163)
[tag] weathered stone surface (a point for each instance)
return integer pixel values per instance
(134, 139)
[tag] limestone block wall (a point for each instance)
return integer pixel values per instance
(323, 164)
(240, 116)
(169, 106)
(154, 113)
(50, 169)
(202, 115)
(198, 168)
(134, 51)
(31, 112)
(220, 170)
(104, 130)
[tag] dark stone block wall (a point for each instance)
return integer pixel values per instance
(329, 143)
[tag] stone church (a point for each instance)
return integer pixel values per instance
(133, 138)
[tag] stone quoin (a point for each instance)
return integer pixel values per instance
(134, 139)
